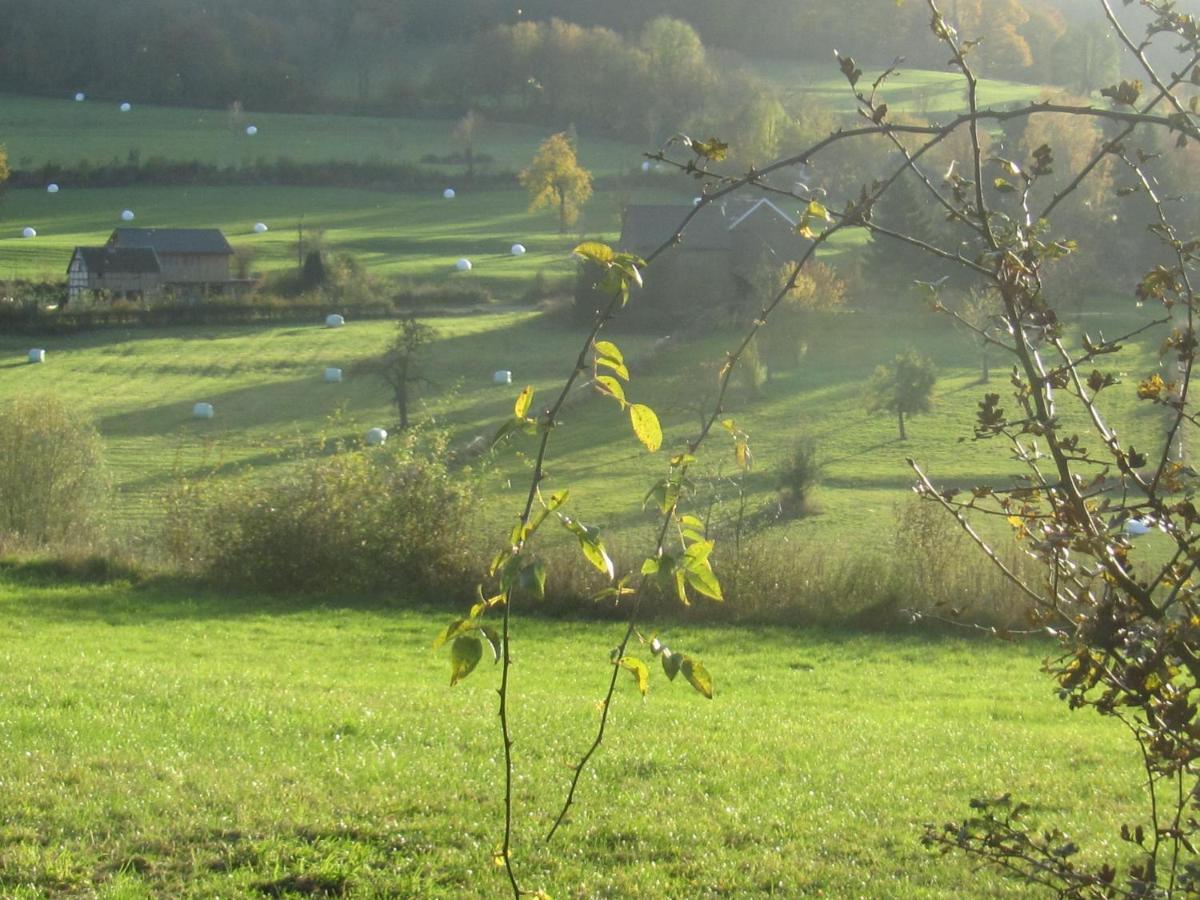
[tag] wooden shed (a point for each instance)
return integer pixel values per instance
(130, 272)
(193, 260)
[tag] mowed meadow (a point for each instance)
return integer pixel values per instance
(167, 740)
(160, 737)
(271, 401)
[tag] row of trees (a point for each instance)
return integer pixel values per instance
(300, 53)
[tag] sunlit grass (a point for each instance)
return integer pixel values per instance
(163, 741)
(395, 236)
(266, 385)
(39, 130)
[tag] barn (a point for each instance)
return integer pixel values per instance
(142, 263)
(711, 270)
(196, 258)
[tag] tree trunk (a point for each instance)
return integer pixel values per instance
(900, 420)
(562, 212)
(984, 372)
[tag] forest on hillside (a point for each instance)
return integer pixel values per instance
(403, 55)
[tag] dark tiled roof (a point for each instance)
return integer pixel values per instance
(120, 260)
(173, 240)
(648, 226)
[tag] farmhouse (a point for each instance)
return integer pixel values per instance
(714, 265)
(139, 263)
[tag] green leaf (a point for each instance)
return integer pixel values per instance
(524, 399)
(596, 554)
(639, 671)
(693, 670)
(509, 573)
(650, 567)
(608, 350)
(609, 385)
(1003, 186)
(681, 586)
(451, 631)
(493, 640)
(532, 580)
(645, 426)
(671, 663)
(702, 579)
(464, 657)
(630, 273)
(595, 251)
(665, 494)
(505, 430)
(591, 545)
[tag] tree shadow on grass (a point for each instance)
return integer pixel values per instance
(45, 593)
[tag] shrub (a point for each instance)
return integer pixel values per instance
(52, 476)
(801, 473)
(390, 518)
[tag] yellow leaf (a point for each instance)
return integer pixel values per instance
(645, 426)
(595, 251)
(524, 400)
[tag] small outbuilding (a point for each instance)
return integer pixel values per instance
(129, 272)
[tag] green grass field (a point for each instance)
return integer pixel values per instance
(163, 741)
(911, 91)
(38, 130)
(392, 235)
(266, 384)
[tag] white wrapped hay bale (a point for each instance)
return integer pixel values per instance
(502, 377)
(126, 106)
(333, 375)
(251, 130)
(518, 250)
(260, 228)
(80, 97)
(52, 188)
(376, 436)
(202, 411)
(127, 215)
(1137, 527)
(463, 265)
(333, 320)
(28, 232)
(449, 194)
(37, 355)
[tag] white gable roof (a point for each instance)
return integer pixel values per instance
(753, 209)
